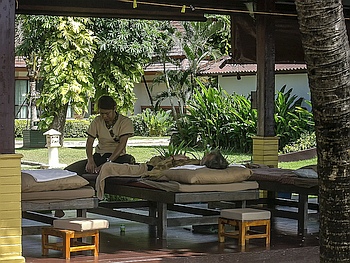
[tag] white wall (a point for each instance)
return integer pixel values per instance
(143, 97)
(244, 86)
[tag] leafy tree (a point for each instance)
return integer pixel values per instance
(83, 58)
(176, 81)
(326, 46)
(221, 39)
(66, 48)
(30, 49)
(196, 42)
(124, 47)
(67, 71)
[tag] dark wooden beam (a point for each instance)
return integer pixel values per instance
(7, 76)
(107, 8)
(265, 53)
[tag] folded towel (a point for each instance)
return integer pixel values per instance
(49, 174)
(188, 167)
(117, 170)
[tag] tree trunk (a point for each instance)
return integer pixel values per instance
(33, 110)
(326, 48)
(59, 121)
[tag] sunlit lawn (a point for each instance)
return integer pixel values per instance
(141, 153)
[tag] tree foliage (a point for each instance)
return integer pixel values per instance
(66, 68)
(66, 49)
(291, 119)
(124, 47)
(83, 58)
(197, 42)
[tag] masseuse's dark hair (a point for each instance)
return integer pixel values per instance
(106, 103)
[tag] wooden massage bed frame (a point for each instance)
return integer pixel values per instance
(69, 193)
(35, 211)
(302, 204)
(159, 202)
(276, 180)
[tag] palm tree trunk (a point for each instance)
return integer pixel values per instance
(326, 48)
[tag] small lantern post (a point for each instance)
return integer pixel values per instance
(53, 143)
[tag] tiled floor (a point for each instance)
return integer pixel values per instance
(185, 244)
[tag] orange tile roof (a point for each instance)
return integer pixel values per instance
(224, 66)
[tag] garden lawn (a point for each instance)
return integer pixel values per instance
(141, 154)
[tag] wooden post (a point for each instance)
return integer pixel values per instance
(10, 209)
(7, 76)
(265, 54)
(10, 163)
(265, 143)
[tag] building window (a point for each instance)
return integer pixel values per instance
(21, 99)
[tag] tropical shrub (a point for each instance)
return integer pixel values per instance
(208, 112)
(76, 128)
(20, 125)
(291, 119)
(172, 150)
(140, 128)
(244, 124)
(72, 129)
(184, 131)
(151, 123)
(306, 141)
(219, 120)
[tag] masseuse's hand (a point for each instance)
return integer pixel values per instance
(91, 167)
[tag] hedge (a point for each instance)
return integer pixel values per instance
(72, 129)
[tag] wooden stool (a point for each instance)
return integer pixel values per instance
(244, 218)
(70, 230)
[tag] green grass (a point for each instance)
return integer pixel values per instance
(298, 164)
(130, 139)
(70, 155)
(141, 153)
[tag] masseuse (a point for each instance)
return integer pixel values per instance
(112, 130)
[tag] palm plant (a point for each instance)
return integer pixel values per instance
(195, 42)
(291, 119)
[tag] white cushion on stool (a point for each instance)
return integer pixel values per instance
(80, 224)
(245, 214)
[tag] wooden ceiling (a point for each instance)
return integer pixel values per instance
(243, 14)
(147, 9)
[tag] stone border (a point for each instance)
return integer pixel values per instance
(297, 156)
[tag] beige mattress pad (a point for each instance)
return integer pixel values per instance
(49, 196)
(173, 186)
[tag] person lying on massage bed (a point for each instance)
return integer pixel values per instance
(112, 130)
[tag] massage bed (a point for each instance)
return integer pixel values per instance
(67, 192)
(159, 197)
(303, 182)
